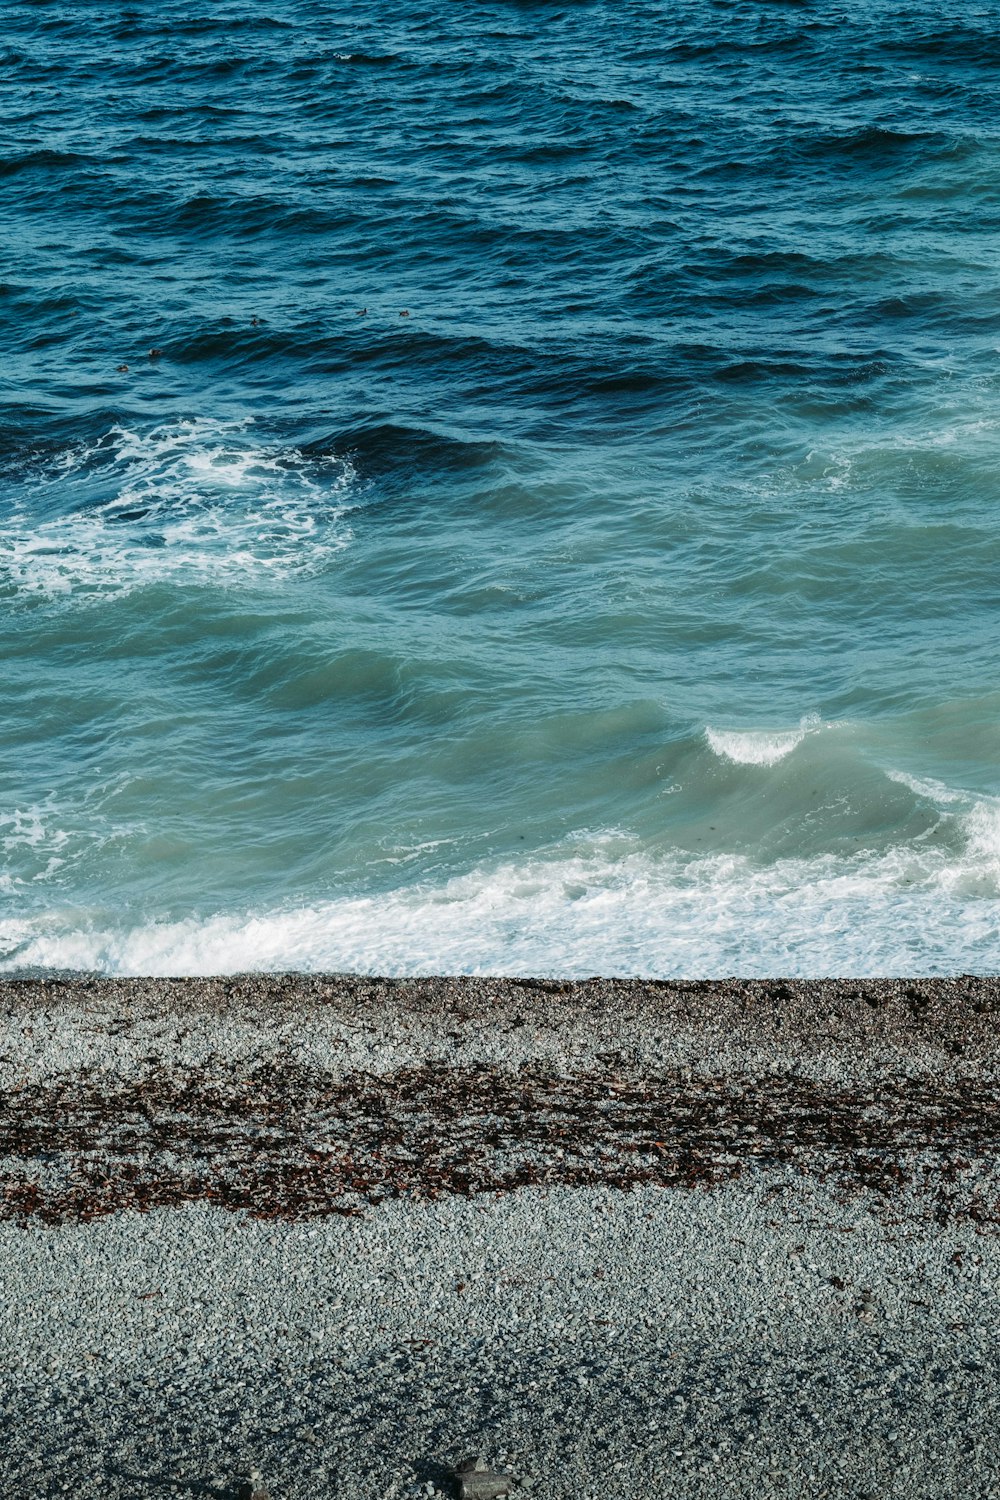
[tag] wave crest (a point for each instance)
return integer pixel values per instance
(759, 747)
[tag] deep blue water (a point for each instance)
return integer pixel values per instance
(557, 529)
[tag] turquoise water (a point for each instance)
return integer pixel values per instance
(629, 606)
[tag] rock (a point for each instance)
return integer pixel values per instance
(251, 1489)
(478, 1482)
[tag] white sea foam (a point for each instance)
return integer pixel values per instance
(45, 841)
(759, 747)
(199, 500)
(933, 791)
(32, 839)
(22, 828)
(913, 909)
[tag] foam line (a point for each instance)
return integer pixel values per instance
(911, 909)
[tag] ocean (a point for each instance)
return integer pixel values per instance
(502, 488)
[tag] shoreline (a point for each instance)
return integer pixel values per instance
(738, 1238)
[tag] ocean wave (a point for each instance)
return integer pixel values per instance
(196, 501)
(608, 909)
(46, 160)
(962, 41)
(759, 747)
(881, 148)
(390, 450)
(929, 789)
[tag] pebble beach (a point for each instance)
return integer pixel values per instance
(507, 489)
(732, 1238)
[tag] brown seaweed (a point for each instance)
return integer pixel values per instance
(293, 1142)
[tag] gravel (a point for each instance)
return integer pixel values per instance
(766, 1336)
(697, 1341)
(822, 1029)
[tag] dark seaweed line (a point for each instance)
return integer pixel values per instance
(292, 1142)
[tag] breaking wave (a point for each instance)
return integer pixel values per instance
(608, 909)
(759, 747)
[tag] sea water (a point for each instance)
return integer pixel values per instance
(510, 487)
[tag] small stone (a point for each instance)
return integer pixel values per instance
(476, 1481)
(251, 1489)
